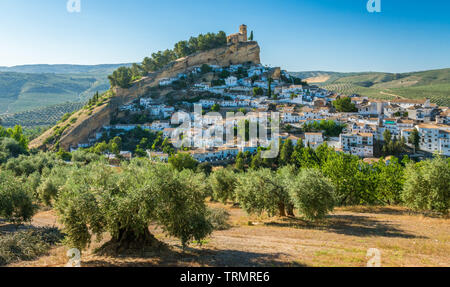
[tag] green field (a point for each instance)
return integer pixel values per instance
(25, 88)
(40, 117)
(433, 84)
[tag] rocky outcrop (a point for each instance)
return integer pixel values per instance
(87, 125)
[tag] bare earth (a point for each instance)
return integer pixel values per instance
(318, 79)
(404, 239)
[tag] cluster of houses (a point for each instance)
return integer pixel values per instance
(297, 105)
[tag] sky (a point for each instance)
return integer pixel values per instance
(300, 35)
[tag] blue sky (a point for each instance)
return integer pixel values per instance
(332, 35)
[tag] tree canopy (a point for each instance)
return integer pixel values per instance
(124, 76)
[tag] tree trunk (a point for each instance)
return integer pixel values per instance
(127, 241)
(281, 208)
(290, 210)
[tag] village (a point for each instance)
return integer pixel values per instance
(358, 123)
(298, 105)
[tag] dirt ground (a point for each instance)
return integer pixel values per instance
(403, 238)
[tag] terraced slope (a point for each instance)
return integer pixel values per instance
(433, 84)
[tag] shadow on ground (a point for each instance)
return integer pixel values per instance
(192, 257)
(353, 225)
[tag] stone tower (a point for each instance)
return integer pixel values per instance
(243, 32)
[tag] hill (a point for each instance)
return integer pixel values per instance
(40, 117)
(433, 84)
(83, 124)
(24, 88)
(64, 69)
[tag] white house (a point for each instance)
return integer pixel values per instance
(231, 81)
(203, 86)
(360, 144)
(313, 139)
(145, 102)
(206, 103)
(434, 138)
(167, 81)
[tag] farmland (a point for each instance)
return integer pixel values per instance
(404, 238)
(433, 84)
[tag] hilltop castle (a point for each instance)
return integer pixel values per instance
(238, 37)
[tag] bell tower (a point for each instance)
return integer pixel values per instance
(243, 32)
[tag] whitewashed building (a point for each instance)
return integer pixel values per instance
(360, 144)
(434, 138)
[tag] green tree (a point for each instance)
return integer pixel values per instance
(256, 161)
(223, 184)
(97, 200)
(64, 155)
(390, 179)
(286, 152)
(350, 177)
(121, 77)
(251, 36)
(205, 69)
(257, 91)
(140, 152)
(259, 191)
(269, 88)
(182, 161)
(205, 168)
(414, 139)
(16, 203)
(427, 185)
(10, 148)
(345, 105)
(387, 135)
(240, 162)
(312, 194)
(215, 108)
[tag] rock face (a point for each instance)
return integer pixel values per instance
(86, 126)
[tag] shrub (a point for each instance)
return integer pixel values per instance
(223, 183)
(427, 185)
(218, 217)
(16, 202)
(183, 161)
(312, 194)
(27, 245)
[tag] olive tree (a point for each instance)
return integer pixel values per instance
(16, 201)
(96, 199)
(223, 184)
(261, 191)
(52, 180)
(427, 185)
(312, 194)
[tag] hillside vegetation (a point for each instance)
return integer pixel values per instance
(45, 116)
(24, 88)
(433, 84)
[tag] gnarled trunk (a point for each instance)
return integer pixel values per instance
(128, 241)
(281, 209)
(290, 210)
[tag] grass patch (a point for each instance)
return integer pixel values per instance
(27, 245)
(219, 217)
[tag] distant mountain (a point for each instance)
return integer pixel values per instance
(64, 69)
(432, 84)
(25, 88)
